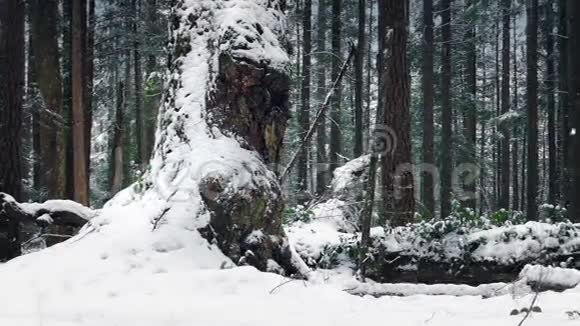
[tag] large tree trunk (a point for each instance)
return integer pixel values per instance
(321, 141)
(336, 107)
(397, 168)
(504, 200)
(223, 121)
(447, 110)
(304, 116)
(52, 142)
(574, 75)
(80, 169)
(428, 184)
(532, 104)
(515, 143)
(11, 94)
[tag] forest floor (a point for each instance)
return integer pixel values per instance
(118, 272)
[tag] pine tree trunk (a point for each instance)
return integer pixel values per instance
(89, 75)
(11, 93)
(140, 160)
(470, 115)
(118, 151)
(563, 99)
(551, 105)
(52, 141)
(359, 80)
(80, 171)
(397, 168)
(504, 201)
(515, 143)
(428, 184)
(321, 141)
(304, 117)
(532, 105)
(574, 82)
(336, 114)
(447, 110)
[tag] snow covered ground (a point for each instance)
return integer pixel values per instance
(118, 272)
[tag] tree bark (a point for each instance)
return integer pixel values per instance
(359, 80)
(397, 168)
(51, 137)
(428, 184)
(118, 151)
(573, 9)
(11, 93)
(470, 115)
(336, 114)
(140, 160)
(447, 110)
(516, 130)
(304, 117)
(79, 85)
(532, 105)
(321, 141)
(563, 101)
(551, 104)
(504, 200)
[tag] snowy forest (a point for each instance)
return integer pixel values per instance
(326, 162)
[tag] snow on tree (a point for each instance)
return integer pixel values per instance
(220, 126)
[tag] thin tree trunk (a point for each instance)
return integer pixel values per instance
(532, 105)
(447, 110)
(504, 201)
(321, 153)
(563, 103)
(138, 76)
(336, 114)
(515, 142)
(89, 75)
(359, 76)
(550, 89)
(304, 117)
(428, 184)
(80, 171)
(117, 155)
(470, 116)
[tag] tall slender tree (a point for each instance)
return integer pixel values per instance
(336, 114)
(446, 158)
(504, 200)
(532, 105)
(359, 80)
(551, 102)
(428, 181)
(304, 117)
(321, 139)
(79, 84)
(470, 115)
(563, 102)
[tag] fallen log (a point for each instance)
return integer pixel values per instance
(51, 212)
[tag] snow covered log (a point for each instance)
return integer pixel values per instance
(221, 128)
(51, 212)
